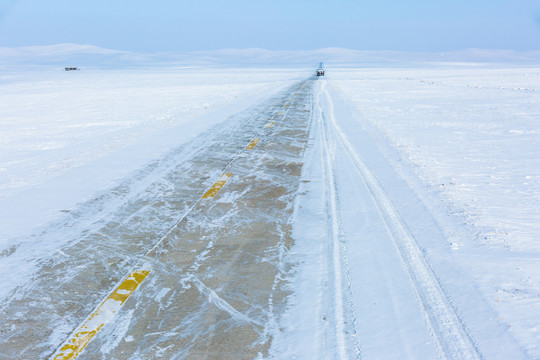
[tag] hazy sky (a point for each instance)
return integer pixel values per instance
(181, 25)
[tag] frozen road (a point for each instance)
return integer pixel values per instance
(213, 260)
(282, 232)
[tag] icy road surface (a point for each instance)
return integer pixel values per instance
(214, 286)
(282, 232)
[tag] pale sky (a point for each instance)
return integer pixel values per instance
(180, 25)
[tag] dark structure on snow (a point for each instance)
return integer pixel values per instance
(320, 70)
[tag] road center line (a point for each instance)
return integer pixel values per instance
(217, 186)
(253, 143)
(101, 316)
(112, 304)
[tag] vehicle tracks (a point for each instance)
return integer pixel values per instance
(442, 318)
(344, 321)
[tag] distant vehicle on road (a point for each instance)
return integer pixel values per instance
(320, 70)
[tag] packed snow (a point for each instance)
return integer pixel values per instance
(467, 138)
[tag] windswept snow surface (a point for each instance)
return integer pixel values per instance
(449, 156)
(67, 135)
(384, 214)
(472, 136)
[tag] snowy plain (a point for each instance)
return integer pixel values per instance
(465, 138)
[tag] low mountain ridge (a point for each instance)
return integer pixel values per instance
(94, 56)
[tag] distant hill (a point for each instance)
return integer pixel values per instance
(92, 56)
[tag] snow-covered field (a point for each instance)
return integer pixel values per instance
(449, 154)
(468, 141)
(473, 135)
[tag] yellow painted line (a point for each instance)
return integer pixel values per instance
(287, 105)
(217, 186)
(269, 125)
(280, 113)
(253, 143)
(101, 316)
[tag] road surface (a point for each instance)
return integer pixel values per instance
(213, 251)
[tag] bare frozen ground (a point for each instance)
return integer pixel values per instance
(215, 288)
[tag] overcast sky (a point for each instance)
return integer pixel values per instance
(181, 25)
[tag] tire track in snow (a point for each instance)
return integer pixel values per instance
(339, 261)
(442, 318)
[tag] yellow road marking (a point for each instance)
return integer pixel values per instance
(102, 315)
(217, 186)
(253, 143)
(105, 312)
